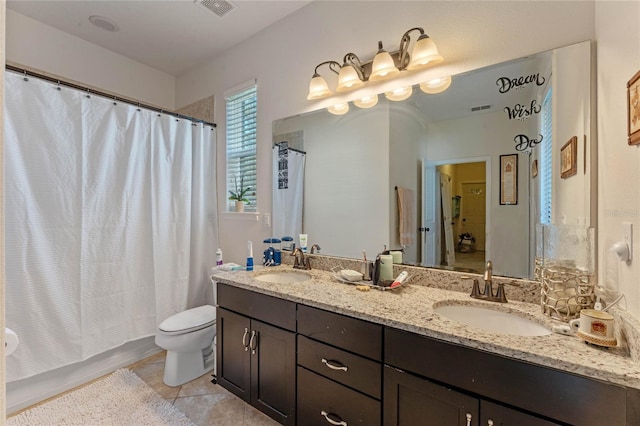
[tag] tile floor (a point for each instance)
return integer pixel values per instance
(203, 402)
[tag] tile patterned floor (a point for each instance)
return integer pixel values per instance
(203, 402)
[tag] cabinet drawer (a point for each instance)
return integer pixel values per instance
(272, 310)
(318, 395)
(348, 333)
(352, 370)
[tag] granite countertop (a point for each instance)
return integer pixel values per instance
(411, 308)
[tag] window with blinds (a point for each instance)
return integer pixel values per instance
(241, 109)
(546, 160)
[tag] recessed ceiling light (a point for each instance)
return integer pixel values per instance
(104, 23)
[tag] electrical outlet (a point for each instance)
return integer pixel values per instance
(266, 220)
(627, 233)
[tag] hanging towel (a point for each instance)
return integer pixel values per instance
(406, 222)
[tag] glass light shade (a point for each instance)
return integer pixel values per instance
(348, 79)
(318, 88)
(366, 101)
(339, 109)
(399, 94)
(424, 54)
(383, 67)
(437, 85)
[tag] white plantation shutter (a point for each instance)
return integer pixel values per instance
(546, 160)
(241, 142)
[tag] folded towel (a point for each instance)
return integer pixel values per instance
(406, 215)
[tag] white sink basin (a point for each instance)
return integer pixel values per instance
(492, 320)
(283, 277)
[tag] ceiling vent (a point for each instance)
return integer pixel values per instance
(480, 108)
(219, 7)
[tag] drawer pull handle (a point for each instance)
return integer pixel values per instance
(489, 422)
(245, 344)
(469, 417)
(253, 342)
(334, 367)
(330, 420)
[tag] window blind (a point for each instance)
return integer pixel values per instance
(241, 108)
(546, 160)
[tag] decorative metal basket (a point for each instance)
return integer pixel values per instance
(564, 265)
(565, 290)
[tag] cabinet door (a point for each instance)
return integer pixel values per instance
(498, 415)
(273, 371)
(410, 400)
(232, 350)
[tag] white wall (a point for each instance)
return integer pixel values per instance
(35, 45)
(347, 157)
(618, 37)
(283, 56)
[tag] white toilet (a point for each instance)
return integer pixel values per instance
(188, 338)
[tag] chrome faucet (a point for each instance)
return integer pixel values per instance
(487, 292)
(300, 262)
(314, 248)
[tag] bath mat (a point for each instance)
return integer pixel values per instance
(122, 398)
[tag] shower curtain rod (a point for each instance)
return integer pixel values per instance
(292, 149)
(104, 94)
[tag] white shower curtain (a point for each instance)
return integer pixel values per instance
(288, 192)
(110, 222)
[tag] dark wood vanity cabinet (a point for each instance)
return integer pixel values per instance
(508, 392)
(339, 369)
(256, 351)
(307, 366)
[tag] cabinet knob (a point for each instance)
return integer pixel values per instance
(469, 417)
(245, 344)
(489, 422)
(338, 422)
(334, 366)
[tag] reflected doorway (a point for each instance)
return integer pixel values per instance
(462, 215)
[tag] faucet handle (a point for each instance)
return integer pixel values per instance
(475, 291)
(500, 295)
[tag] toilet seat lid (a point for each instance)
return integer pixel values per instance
(199, 317)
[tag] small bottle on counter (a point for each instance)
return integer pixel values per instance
(249, 256)
(219, 257)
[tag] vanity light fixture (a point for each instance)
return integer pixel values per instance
(437, 85)
(354, 73)
(318, 87)
(424, 53)
(368, 101)
(351, 75)
(339, 109)
(399, 94)
(383, 66)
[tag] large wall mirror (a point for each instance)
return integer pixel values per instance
(454, 178)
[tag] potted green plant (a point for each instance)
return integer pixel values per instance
(239, 195)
